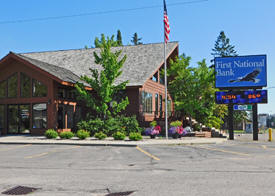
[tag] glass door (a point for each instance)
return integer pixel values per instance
(24, 119)
(18, 119)
(13, 119)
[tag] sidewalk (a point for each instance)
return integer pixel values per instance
(22, 139)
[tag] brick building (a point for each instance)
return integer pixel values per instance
(37, 89)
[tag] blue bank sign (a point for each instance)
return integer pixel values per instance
(241, 71)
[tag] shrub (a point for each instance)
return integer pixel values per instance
(135, 136)
(51, 133)
(100, 135)
(82, 134)
(129, 124)
(153, 123)
(176, 123)
(93, 126)
(66, 135)
(119, 135)
(112, 125)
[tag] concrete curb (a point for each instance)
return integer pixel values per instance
(146, 142)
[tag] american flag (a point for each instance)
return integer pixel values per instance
(166, 23)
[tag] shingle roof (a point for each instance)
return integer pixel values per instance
(68, 65)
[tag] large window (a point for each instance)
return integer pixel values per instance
(12, 86)
(156, 103)
(39, 113)
(38, 89)
(169, 107)
(25, 85)
(2, 118)
(147, 102)
(160, 105)
(3, 89)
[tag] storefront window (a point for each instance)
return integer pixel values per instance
(12, 86)
(2, 117)
(3, 89)
(39, 113)
(156, 103)
(25, 85)
(147, 99)
(38, 89)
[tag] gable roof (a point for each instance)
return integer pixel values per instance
(68, 65)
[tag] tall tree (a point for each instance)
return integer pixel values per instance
(136, 40)
(103, 97)
(119, 38)
(100, 42)
(222, 47)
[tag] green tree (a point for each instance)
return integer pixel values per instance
(222, 47)
(136, 40)
(100, 42)
(101, 100)
(119, 38)
(193, 92)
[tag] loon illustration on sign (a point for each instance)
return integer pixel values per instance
(240, 71)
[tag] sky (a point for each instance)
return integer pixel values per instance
(32, 25)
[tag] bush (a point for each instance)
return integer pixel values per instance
(82, 134)
(135, 136)
(119, 135)
(176, 123)
(93, 126)
(51, 133)
(129, 124)
(66, 135)
(100, 135)
(153, 123)
(112, 125)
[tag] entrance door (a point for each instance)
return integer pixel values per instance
(18, 119)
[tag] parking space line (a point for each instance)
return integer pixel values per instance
(147, 153)
(49, 152)
(226, 151)
(7, 149)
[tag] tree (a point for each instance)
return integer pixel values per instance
(222, 47)
(99, 42)
(119, 38)
(136, 40)
(192, 89)
(102, 100)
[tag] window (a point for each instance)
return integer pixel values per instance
(160, 104)
(147, 102)
(156, 103)
(2, 117)
(71, 94)
(169, 107)
(3, 89)
(38, 89)
(39, 113)
(155, 77)
(61, 93)
(25, 85)
(12, 86)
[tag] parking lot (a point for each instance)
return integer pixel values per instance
(231, 168)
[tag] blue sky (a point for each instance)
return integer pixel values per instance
(248, 23)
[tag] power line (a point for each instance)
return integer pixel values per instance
(96, 13)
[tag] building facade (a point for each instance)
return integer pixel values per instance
(37, 89)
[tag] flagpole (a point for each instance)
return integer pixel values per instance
(165, 84)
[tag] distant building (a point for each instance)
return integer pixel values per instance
(262, 120)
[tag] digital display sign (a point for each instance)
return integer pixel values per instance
(241, 97)
(240, 72)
